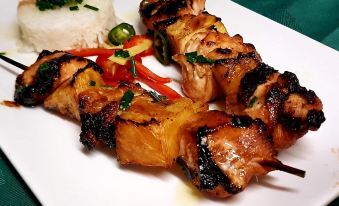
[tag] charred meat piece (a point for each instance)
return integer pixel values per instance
(99, 108)
(258, 90)
(221, 153)
(214, 47)
(65, 99)
(49, 71)
(161, 13)
(214, 64)
(145, 133)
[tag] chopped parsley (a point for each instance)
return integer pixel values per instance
(157, 97)
(133, 69)
(126, 100)
(193, 57)
(43, 68)
(91, 7)
(122, 54)
(54, 4)
(252, 102)
(74, 8)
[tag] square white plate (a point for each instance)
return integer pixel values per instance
(45, 149)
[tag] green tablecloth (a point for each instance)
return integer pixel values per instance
(318, 19)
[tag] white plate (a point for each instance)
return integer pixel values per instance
(45, 150)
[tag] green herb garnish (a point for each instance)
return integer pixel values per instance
(2, 53)
(91, 7)
(43, 67)
(126, 100)
(54, 4)
(92, 83)
(157, 97)
(133, 69)
(193, 57)
(122, 54)
(74, 8)
(252, 102)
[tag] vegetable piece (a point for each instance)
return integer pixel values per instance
(126, 100)
(146, 73)
(122, 54)
(133, 69)
(114, 73)
(252, 102)
(157, 97)
(193, 57)
(91, 7)
(85, 52)
(162, 47)
(121, 33)
(53, 4)
(118, 60)
(142, 45)
(74, 8)
(162, 89)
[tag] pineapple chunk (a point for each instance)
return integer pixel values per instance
(147, 132)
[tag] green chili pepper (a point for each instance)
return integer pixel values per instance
(121, 33)
(162, 48)
(126, 100)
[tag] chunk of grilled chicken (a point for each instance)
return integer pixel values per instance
(49, 71)
(234, 69)
(65, 99)
(190, 28)
(197, 77)
(221, 153)
(159, 13)
(256, 89)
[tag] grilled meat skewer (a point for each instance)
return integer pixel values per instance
(152, 133)
(214, 64)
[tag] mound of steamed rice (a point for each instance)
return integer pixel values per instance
(63, 29)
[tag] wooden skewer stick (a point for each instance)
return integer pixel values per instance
(13, 62)
(282, 167)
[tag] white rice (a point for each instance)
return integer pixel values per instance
(62, 29)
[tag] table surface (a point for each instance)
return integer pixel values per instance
(318, 19)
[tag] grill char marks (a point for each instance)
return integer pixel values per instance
(292, 83)
(46, 78)
(165, 23)
(220, 153)
(315, 118)
(157, 14)
(252, 80)
(211, 176)
(99, 126)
